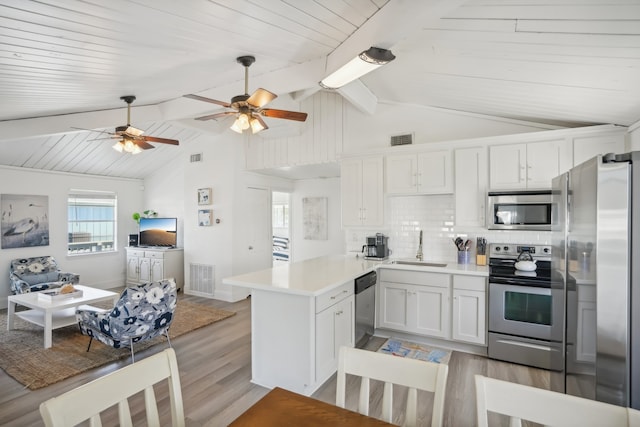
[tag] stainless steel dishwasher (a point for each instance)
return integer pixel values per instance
(365, 291)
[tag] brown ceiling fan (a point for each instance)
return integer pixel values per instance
(130, 139)
(249, 109)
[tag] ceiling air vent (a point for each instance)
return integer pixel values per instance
(402, 139)
(196, 158)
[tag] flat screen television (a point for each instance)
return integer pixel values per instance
(158, 232)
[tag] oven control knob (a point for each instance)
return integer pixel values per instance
(546, 250)
(497, 248)
(506, 248)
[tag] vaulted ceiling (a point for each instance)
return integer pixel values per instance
(66, 63)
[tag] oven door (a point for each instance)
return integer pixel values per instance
(524, 311)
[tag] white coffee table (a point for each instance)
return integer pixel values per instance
(56, 314)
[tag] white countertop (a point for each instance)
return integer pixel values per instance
(318, 275)
(311, 277)
(450, 268)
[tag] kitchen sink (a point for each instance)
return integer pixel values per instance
(420, 263)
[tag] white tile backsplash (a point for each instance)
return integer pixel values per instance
(405, 216)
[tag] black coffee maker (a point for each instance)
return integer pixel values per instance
(376, 247)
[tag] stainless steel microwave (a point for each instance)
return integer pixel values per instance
(519, 210)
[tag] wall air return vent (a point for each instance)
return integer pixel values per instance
(196, 158)
(202, 280)
(404, 139)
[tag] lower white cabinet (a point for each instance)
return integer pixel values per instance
(334, 328)
(469, 311)
(150, 265)
(428, 304)
(415, 302)
(295, 338)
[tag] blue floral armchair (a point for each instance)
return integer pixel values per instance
(142, 312)
(37, 274)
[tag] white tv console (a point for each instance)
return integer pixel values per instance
(153, 264)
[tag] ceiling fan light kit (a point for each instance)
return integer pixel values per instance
(127, 146)
(364, 63)
(249, 109)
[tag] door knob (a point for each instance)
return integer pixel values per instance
(250, 248)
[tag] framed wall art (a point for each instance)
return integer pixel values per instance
(204, 196)
(314, 213)
(205, 217)
(25, 220)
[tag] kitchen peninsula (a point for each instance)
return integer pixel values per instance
(301, 313)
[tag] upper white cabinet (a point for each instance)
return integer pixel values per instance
(470, 186)
(421, 173)
(530, 165)
(362, 195)
(587, 147)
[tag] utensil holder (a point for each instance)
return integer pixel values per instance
(481, 260)
(463, 257)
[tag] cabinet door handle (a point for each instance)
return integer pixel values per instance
(337, 295)
(338, 313)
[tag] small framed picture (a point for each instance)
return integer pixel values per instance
(205, 217)
(204, 196)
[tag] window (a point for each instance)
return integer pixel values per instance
(280, 215)
(91, 221)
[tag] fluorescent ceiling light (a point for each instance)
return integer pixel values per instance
(362, 64)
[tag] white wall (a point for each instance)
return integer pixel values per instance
(634, 137)
(100, 270)
(405, 216)
(304, 249)
(164, 193)
(363, 132)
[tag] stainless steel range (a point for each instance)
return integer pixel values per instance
(524, 317)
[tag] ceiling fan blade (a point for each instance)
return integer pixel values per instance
(261, 97)
(128, 130)
(284, 114)
(160, 140)
(144, 145)
(93, 130)
(216, 116)
(202, 98)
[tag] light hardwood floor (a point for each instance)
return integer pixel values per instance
(215, 372)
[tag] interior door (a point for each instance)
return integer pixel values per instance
(256, 231)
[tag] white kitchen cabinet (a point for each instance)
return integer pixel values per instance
(414, 302)
(470, 186)
(587, 147)
(295, 338)
(469, 309)
(150, 265)
(334, 328)
(531, 165)
(361, 183)
(422, 173)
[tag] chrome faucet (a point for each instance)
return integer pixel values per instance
(419, 254)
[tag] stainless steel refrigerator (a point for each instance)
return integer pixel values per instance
(596, 258)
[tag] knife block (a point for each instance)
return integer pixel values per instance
(481, 260)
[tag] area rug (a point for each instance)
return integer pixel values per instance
(413, 350)
(23, 356)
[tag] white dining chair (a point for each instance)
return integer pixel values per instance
(411, 373)
(87, 401)
(520, 402)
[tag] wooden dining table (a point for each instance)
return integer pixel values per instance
(281, 407)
